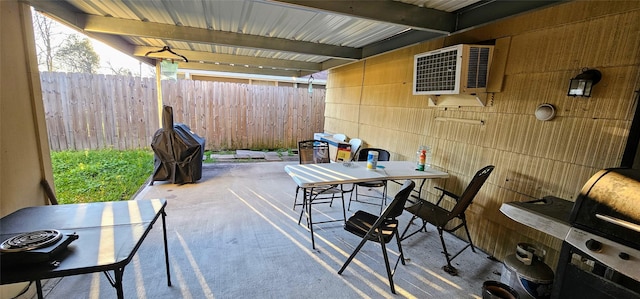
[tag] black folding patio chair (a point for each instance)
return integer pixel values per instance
(381, 229)
(440, 217)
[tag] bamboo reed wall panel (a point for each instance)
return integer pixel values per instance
(345, 112)
(349, 76)
(85, 111)
(342, 109)
(533, 159)
(389, 69)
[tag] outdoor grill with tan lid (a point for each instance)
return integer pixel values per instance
(600, 254)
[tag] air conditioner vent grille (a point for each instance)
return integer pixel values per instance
(459, 69)
(478, 67)
(436, 72)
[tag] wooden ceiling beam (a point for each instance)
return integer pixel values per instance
(196, 56)
(199, 35)
(241, 69)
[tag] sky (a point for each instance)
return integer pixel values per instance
(108, 55)
(119, 60)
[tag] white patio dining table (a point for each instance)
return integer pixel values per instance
(309, 176)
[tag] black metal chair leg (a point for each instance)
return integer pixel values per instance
(404, 232)
(423, 227)
(355, 189)
(386, 263)
(384, 198)
(400, 248)
(353, 255)
(333, 195)
(295, 199)
(473, 248)
(310, 224)
(304, 206)
(448, 267)
(344, 213)
(118, 283)
(39, 289)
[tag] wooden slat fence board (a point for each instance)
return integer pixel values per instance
(109, 118)
(86, 111)
(53, 116)
(74, 120)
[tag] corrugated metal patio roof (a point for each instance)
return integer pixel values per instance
(282, 38)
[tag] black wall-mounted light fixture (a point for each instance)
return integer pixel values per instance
(582, 84)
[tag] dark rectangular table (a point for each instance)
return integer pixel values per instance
(109, 234)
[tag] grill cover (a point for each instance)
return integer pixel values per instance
(177, 152)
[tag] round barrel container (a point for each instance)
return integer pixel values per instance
(526, 273)
(496, 290)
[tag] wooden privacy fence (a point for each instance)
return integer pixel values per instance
(240, 116)
(88, 111)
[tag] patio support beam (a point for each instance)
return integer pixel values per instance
(199, 35)
(196, 56)
(485, 12)
(331, 63)
(242, 69)
(395, 12)
(409, 37)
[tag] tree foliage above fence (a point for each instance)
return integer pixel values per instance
(87, 111)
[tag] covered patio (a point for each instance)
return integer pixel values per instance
(233, 234)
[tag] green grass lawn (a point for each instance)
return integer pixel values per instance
(100, 175)
(107, 175)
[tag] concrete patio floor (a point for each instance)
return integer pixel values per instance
(233, 234)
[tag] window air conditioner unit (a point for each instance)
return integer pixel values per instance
(453, 76)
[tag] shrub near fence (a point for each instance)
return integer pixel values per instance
(88, 111)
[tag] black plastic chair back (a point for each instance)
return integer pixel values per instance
(396, 207)
(471, 191)
(383, 155)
